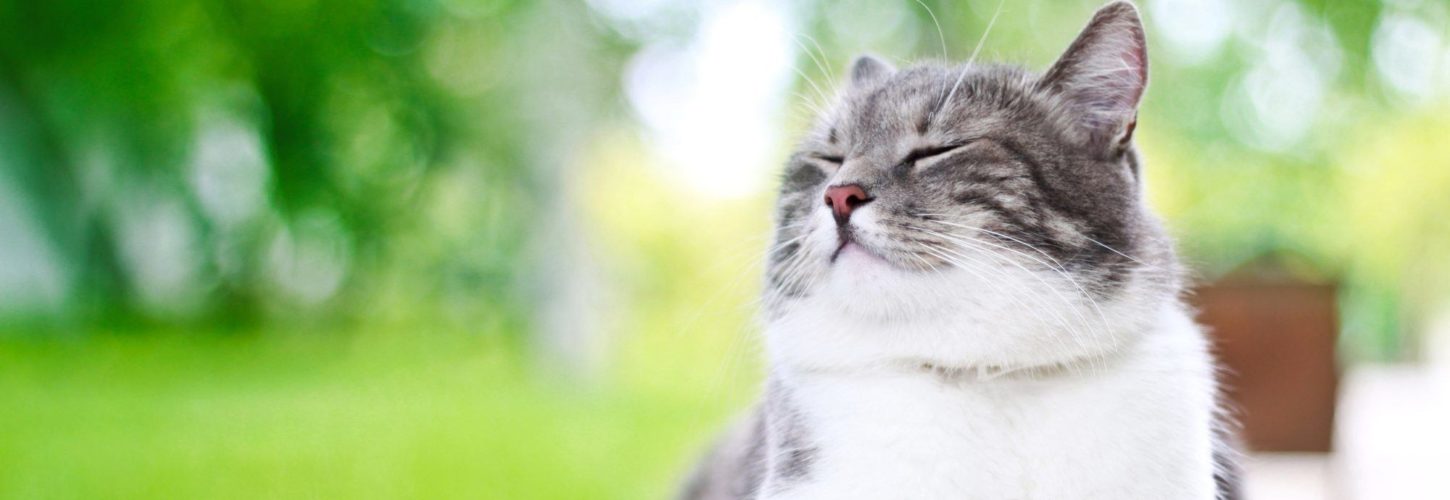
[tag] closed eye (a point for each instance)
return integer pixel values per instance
(920, 154)
(832, 159)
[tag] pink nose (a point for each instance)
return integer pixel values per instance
(844, 199)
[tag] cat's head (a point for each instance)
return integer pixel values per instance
(972, 215)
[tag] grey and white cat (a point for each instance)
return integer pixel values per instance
(968, 299)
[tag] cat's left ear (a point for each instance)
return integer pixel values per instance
(1102, 75)
(868, 69)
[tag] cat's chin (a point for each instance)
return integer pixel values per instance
(851, 256)
(854, 257)
(858, 273)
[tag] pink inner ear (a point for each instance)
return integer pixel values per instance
(1103, 73)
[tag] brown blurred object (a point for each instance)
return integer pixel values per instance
(1276, 338)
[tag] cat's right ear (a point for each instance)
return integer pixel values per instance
(1102, 75)
(868, 69)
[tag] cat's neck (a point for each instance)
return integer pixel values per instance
(964, 344)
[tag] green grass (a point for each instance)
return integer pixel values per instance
(334, 416)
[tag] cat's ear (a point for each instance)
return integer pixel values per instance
(1101, 76)
(868, 69)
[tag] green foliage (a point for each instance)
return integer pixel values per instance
(323, 125)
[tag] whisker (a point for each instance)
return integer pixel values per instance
(819, 65)
(970, 60)
(1060, 269)
(1028, 245)
(812, 82)
(956, 260)
(817, 108)
(1114, 250)
(969, 244)
(829, 72)
(939, 33)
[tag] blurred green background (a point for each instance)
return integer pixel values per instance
(508, 249)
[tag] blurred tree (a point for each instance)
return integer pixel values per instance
(229, 160)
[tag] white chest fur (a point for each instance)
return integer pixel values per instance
(1137, 426)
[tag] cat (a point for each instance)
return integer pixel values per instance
(967, 298)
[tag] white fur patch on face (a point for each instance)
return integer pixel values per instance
(991, 308)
